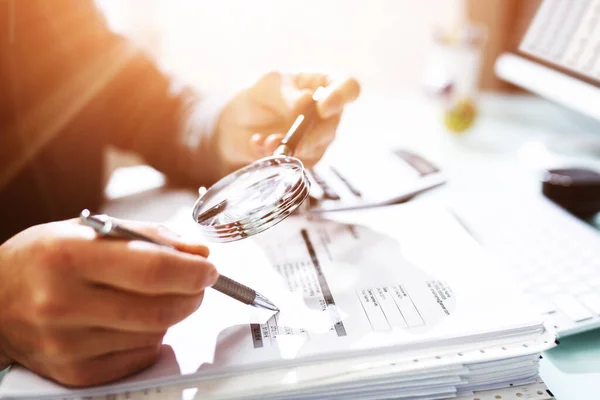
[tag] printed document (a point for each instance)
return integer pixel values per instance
(364, 283)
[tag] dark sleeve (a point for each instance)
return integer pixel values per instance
(150, 113)
(169, 125)
(62, 68)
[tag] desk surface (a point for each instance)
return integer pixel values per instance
(511, 129)
(572, 369)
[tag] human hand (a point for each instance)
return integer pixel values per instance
(253, 123)
(83, 311)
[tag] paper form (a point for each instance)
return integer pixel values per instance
(362, 283)
(341, 299)
(323, 261)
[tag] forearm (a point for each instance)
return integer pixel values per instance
(193, 143)
(171, 126)
(136, 107)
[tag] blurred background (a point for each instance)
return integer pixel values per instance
(219, 45)
(393, 47)
(386, 44)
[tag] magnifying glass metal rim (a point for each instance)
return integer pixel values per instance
(246, 231)
(271, 214)
(229, 179)
(267, 221)
(236, 230)
(267, 210)
(293, 200)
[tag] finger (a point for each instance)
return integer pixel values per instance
(336, 96)
(160, 233)
(163, 234)
(80, 344)
(142, 267)
(257, 142)
(258, 138)
(279, 94)
(105, 368)
(267, 92)
(272, 142)
(317, 141)
(104, 307)
(301, 102)
(310, 80)
(185, 244)
(298, 105)
(303, 98)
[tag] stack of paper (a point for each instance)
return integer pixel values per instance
(393, 302)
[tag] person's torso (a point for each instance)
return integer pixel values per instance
(62, 173)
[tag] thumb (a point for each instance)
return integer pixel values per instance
(298, 104)
(299, 100)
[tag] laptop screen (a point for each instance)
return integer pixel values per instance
(565, 35)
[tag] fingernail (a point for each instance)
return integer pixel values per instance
(167, 233)
(320, 93)
(213, 276)
(258, 138)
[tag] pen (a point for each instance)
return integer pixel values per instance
(225, 285)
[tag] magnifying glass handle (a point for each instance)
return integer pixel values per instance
(303, 123)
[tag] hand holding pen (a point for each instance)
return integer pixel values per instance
(84, 311)
(223, 284)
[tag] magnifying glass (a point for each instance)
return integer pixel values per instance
(260, 195)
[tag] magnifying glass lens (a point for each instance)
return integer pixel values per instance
(252, 199)
(253, 192)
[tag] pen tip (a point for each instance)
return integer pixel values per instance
(263, 302)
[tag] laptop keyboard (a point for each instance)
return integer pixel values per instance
(553, 256)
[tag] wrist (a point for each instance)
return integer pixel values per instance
(201, 135)
(5, 362)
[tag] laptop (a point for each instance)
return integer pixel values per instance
(554, 256)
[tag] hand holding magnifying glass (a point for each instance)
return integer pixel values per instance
(260, 195)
